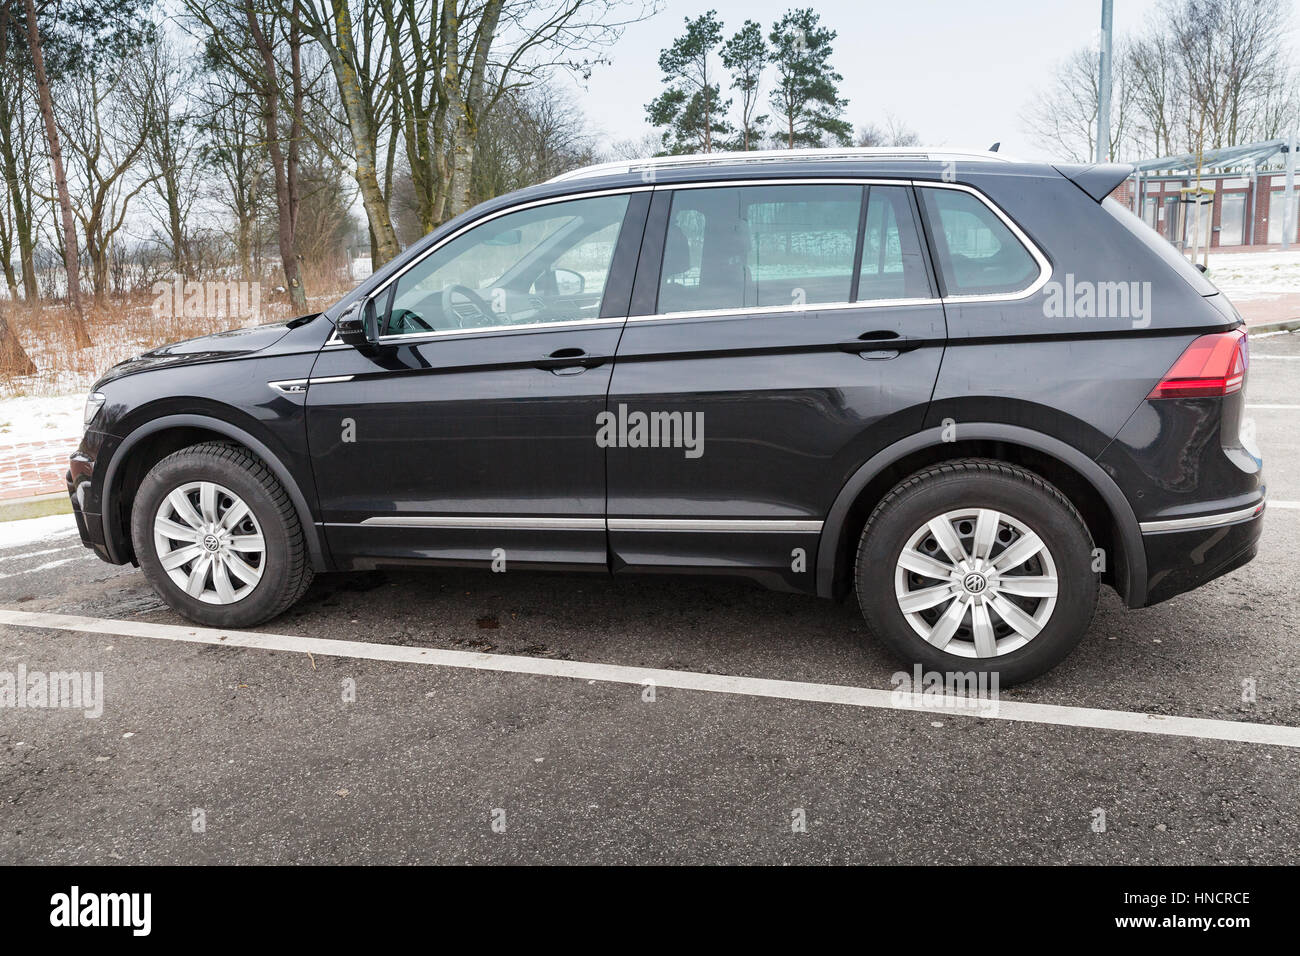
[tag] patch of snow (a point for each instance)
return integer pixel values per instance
(26, 418)
(1249, 275)
(29, 531)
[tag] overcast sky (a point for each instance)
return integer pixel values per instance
(959, 72)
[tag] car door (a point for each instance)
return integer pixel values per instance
(465, 433)
(780, 334)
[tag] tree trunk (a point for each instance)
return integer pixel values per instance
(286, 214)
(14, 182)
(342, 54)
(465, 105)
(13, 358)
(81, 337)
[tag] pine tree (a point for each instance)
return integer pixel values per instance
(806, 96)
(691, 110)
(744, 56)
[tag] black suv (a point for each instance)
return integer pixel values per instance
(969, 389)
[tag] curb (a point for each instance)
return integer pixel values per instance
(37, 506)
(1286, 325)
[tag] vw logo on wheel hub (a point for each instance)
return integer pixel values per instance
(974, 583)
(211, 542)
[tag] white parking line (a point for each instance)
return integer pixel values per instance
(46, 566)
(683, 680)
(1290, 358)
(33, 554)
(1273, 406)
(1290, 505)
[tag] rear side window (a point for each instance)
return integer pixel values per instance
(760, 246)
(756, 246)
(977, 253)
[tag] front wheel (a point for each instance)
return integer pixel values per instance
(218, 538)
(976, 565)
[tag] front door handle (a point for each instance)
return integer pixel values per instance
(882, 341)
(570, 361)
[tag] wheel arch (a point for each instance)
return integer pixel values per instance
(1104, 507)
(159, 437)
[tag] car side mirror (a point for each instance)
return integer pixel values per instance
(569, 282)
(359, 325)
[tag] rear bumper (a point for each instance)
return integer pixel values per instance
(1185, 553)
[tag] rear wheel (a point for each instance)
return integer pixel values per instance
(218, 538)
(977, 565)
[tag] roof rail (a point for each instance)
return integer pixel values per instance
(760, 156)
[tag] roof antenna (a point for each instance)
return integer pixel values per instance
(994, 147)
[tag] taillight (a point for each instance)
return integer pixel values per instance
(1212, 366)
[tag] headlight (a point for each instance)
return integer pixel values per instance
(94, 402)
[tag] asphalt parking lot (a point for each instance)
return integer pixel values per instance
(227, 754)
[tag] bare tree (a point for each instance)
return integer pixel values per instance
(70, 260)
(159, 90)
(894, 133)
(233, 149)
(1065, 114)
(264, 50)
(105, 144)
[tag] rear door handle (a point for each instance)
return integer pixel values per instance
(570, 361)
(882, 342)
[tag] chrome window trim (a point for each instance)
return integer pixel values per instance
(406, 337)
(1201, 521)
(548, 201)
(1044, 266)
(783, 309)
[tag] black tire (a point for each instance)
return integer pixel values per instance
(978, 483)
(287, 570)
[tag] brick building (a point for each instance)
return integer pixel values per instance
(1242, 203)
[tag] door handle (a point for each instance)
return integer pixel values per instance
(570, 361)
(882, 341)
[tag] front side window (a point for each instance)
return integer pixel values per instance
(545, 264)
(759, 246)
(978, 254)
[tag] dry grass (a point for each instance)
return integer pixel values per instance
(126, 327)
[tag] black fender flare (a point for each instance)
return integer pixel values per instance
(1121, 512)
(311, 533)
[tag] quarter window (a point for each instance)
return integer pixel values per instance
(977, 253)
(545, 264)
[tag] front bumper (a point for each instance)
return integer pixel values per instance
(1185, 553)
(80, 481)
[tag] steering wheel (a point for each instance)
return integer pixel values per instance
(475, 300)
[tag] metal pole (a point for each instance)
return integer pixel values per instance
(1103, 86)
(1288, 195)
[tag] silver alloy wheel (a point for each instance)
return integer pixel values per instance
(976, 583)
(209, 542)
